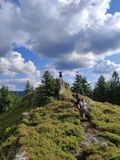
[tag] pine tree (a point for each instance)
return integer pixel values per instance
(114, 91)
(48, 87)
(101, 89)
(82, 86)
(28, 88)
(6, 99)
(77, 85)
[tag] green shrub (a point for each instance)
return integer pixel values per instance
(45, 100)
(94, 157)
(114, 138)
(116, 156)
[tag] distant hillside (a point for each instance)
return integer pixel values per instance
(55, 132)
(19, 93)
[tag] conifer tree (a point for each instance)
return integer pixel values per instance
(6, 99)
(48, 87)
(28, 88)
(101, 89)
(82, 86)
(114, 91)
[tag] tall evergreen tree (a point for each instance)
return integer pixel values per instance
(82, 86)
(48, 87)
(28, 88)
(114, 91)
(6, 99)
(77, 85)
(101, 89)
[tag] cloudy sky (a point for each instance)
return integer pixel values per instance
(66, 35)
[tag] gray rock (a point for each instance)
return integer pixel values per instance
(25, 115)
(90, 102)
(22, 156)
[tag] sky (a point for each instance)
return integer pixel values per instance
(67, 35)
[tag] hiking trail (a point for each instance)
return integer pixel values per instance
(89, 133)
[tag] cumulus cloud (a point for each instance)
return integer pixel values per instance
(14, 64)
(75, 34)
(75, 60)
(107, 67)
(57, 28)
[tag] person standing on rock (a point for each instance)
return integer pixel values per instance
(60, 74)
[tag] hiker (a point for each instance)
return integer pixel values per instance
(60, 74)
(78, 100)
(83, 108)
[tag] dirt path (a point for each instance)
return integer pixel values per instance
(89, 132)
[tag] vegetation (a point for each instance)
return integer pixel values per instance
(52, 128)
(28, 88)
(7, 99)
(107, 91)
(100, 91)
(50, 132)
(105, 118)
(82, 86)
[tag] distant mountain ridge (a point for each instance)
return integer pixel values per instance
(19, 93)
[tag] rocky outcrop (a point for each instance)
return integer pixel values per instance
(22, 156)
(62, 85)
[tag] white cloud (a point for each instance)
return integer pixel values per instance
(107, 68)
(14, 64)
(74, 33)
(75, 60)
(56, 28)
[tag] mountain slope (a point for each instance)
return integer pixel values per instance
(48, 132)
(55, 132)
(102, 133)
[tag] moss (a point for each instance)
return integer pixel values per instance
(43, 134)
(54, 131)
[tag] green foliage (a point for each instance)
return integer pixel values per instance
(116, 156)
(67, 95)
(48, 89)
(101, 90)
(101, 151)
(28, 88)
(7, 99)
(44, 134)
(55, 131)
(105, 117)
(112, 137)
(107, 91)
(82, 86)
(45, 100)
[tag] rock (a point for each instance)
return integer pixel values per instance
(90, 102)
(25, 115)
(22, 156)
(61, 86)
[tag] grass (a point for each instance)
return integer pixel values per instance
(54, 131)
(50, 132)
(105, 117)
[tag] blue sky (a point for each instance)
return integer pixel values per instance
(67, 35)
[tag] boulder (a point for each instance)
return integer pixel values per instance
(62, 85)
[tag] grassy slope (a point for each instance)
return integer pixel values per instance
(106, 118)
(50, 132)
(54, 132)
